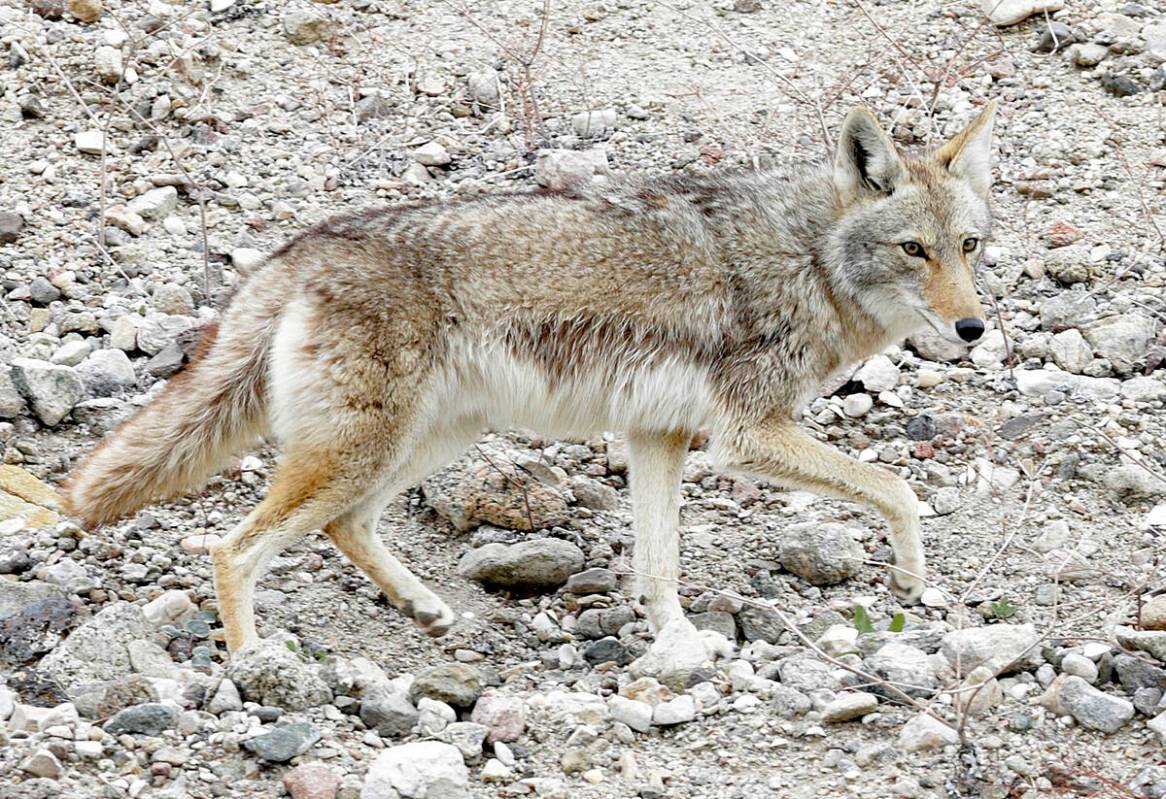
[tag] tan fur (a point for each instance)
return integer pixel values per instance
(379, 345)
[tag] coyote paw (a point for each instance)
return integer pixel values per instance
(678, 650)
(906, 587)
(432, 616)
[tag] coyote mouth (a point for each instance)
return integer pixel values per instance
(945, 331)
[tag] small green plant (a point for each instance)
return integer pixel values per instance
(862, 620)
(898, 622)
(1002, 608)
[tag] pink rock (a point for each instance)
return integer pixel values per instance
(505, 716)
(312, 781)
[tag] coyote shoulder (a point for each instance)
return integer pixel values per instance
(379, 345)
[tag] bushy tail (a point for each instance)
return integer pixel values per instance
(213, 408)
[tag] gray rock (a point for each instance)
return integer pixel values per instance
(173, 299)
(69, 575)
(594, 494)
(790, 703)
(467, 737)
(564, 169)
(51, 390)
(1093, 708)
(225, 699)
(849, 706)
(635, 714)
(270, 673)
(306, 27)
(593, 124)
(1086, 54)
(1151, 641)
(42, 763)
(11, 400)
(42, 291)
(456, 684)
(539, 564)
(158, 330)
(807, 673)
(107, 372)
(421, 770)
(166, 362)
(97, 651)
(1123, 339)
(283, 742)
(716, 620)
(1071, 351)
(483, 88)
(597, 623)
(156, 203)
(606, 650)
(151, 718)
(906, 666)
(760, 624)
(1134, 673)
(994, 645)
(592, 581)
(388, 711)
(821, 554)
(1067, 309)
(10, 226)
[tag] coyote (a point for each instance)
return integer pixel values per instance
(377, 346)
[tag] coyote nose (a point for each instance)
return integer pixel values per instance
(969, 329)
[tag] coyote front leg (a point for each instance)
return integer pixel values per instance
(778, 450)
(656, 461)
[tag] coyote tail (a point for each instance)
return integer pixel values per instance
(214, 407)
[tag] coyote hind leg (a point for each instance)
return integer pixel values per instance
(311, 488)
(355, 534)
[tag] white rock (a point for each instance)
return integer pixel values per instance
(1071, 351)
(247, 259)
(89, 141)
(562, 169)
(155, 203)
(635, 714)
(421, 770)
(675, 711)
(850, 705)
(171, 607)
(432, 154)
(878, 374)
(993, 645)
(925, 732)
(1010, 12)
(1080, 666)
(991, 350)
(932, 597)
(856, 405)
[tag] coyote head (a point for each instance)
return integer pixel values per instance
(911, 230)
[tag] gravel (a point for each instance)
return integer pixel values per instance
(1049, 428)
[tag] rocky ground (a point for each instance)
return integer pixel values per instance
(223, 128)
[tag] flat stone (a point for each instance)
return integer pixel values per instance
(283, 743)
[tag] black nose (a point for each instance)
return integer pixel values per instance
(969, 329)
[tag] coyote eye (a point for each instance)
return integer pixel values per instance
(914, 249)
(970, 245)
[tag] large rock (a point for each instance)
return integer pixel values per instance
(11, 400)
(151, 718)
(539, 564)
(98, 650)
(906, 666)
(270, 673)
(1152, 641)
(503, 714)
(498, 492)
(1003, 13)
(565, 169)
(994, 646)
(388, 711)
(1093, 708)
(925, 732)
(421, 770)
(1123, 339)
(107, 372)
(283, 743)
(821, 554)
(456, 684)
(51, 390)
(306, 27)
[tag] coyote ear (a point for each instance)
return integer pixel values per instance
(969, 154)
(865, 162)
